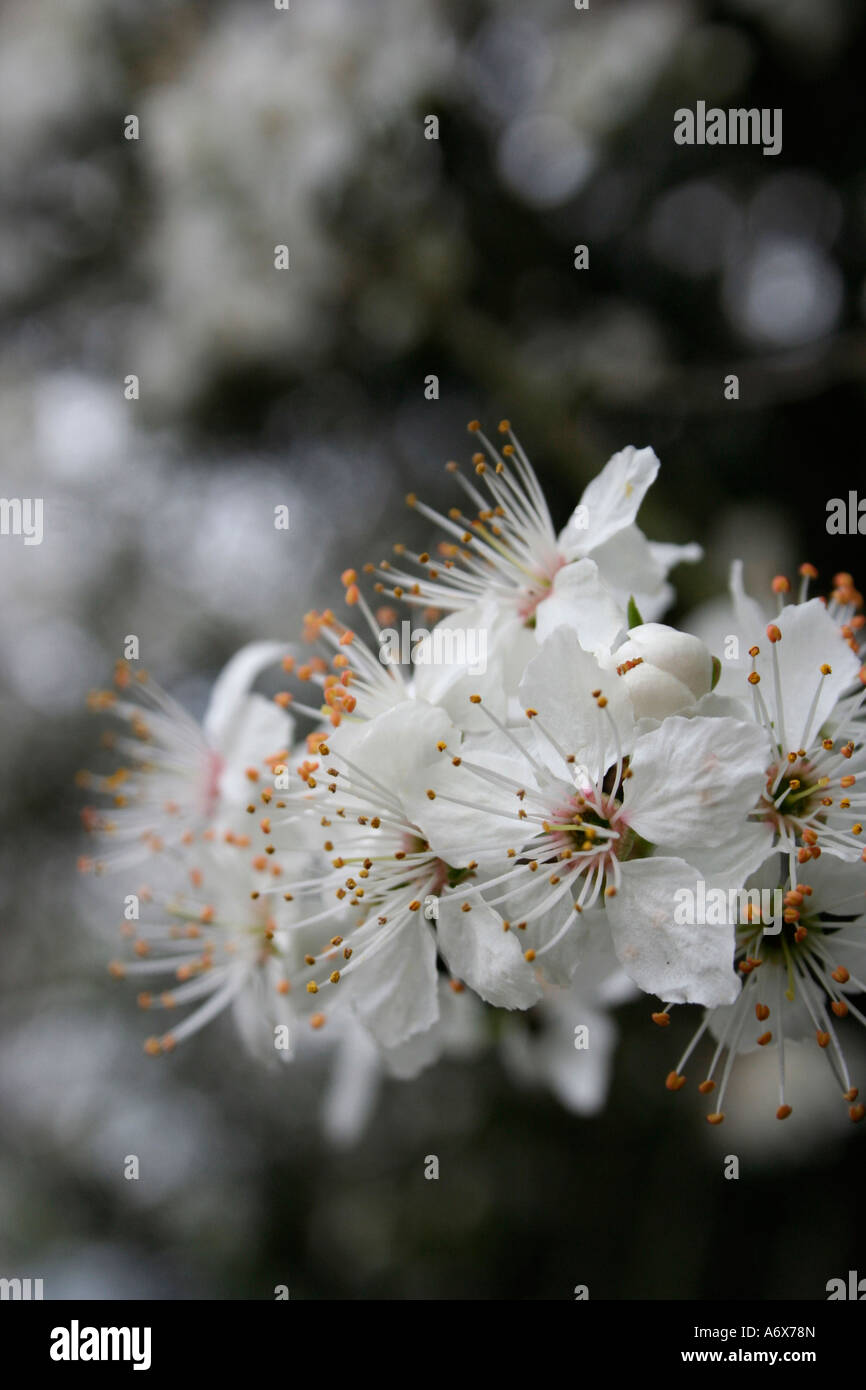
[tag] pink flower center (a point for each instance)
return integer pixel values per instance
(540, 589)
(213, 770)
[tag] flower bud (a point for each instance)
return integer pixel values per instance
(665, 671)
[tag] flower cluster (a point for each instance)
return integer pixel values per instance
(398, 853)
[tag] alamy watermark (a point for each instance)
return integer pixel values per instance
(854, 1288)
(737, 126)
(22, 516)
(444, 646)
(77, 1343)
(720, 907)
(20, 1290)
(846, 518)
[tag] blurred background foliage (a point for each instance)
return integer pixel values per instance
(408, 257)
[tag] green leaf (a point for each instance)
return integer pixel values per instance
(717, 671)
(634, 617)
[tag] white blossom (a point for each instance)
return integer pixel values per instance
(180, 779)
(797, 983)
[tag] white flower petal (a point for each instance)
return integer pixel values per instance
(580, 601)
(505, 643)
(396, 993)
(232, 685)
(350, 1099)
(680, 964)
(486, 820)
(716, 706)
(412, 1056)
(578, 1077)
(751, 621)
(612, 500)
(655, 694)
(669, 556)
(810, 637)
(599, 975)
(695, 780)
(730, 863)
(489, 959)
(259, 729)
(629, 568)
(396, 743)
(678, 653)
(558, 964)
(558, 683)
